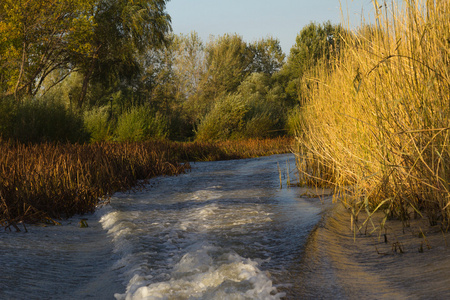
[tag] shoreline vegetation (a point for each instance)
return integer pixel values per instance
(375, 125)
(48, 181)
(368, 108)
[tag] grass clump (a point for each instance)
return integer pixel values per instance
(376, 123)
(43, 181)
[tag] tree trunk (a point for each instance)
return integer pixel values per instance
(86, 79)
(22, 67)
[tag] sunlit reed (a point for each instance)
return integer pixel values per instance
(376, 124)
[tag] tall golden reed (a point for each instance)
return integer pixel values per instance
(376, 124)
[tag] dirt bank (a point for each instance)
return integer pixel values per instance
(395, 263)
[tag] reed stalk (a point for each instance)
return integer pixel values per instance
(376, 123)
(44, 182)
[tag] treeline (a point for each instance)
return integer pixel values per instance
(97, 70)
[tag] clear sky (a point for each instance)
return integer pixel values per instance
(256, 19)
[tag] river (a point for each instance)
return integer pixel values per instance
(224, 230)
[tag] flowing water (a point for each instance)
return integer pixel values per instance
(224, 230)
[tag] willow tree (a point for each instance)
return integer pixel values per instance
(123, 30)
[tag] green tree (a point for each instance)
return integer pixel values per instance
(189, 64)
(97, 38)
(314, 43)
(36, 37)
(123, 30)
(229, 61)
(268, 57)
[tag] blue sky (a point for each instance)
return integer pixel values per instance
(256, 19)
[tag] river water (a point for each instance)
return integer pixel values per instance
(224, 230)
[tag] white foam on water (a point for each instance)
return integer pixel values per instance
(201, 275)
(192, 269)
(206, 238)
(205, 195)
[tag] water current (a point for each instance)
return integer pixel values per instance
(224, 230)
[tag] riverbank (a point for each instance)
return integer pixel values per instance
(396, 263)
(44, 182)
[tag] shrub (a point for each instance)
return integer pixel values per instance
(139, 124)
(46, 120)
(7, 116)
(226, 118)
(99, 124)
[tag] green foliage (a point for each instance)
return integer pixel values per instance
(226, 118)
(7, 116)
(189, 62)
(98, 123)
(139, 124)
(256, 110)
(268, 57)
(46, 120)
(266, 100)
(228, 61)
(124, 30)
(314, 43)
(36, 39)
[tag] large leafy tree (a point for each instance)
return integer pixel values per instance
(314, 43)
(268, 57)
(189, 64)
(98, 38)
(228, 62)
(36, 37)
(124, 29)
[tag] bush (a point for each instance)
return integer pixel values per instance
(226, 118)
(257, 110)
(38, 120)
(7, 115)
(139, 124)
(98, 124)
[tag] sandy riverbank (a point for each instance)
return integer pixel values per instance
(340, 265)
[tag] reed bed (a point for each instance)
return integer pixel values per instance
(376, 122)
(45, 182)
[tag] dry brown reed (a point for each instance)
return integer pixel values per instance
(376, 124)
(49, 181)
